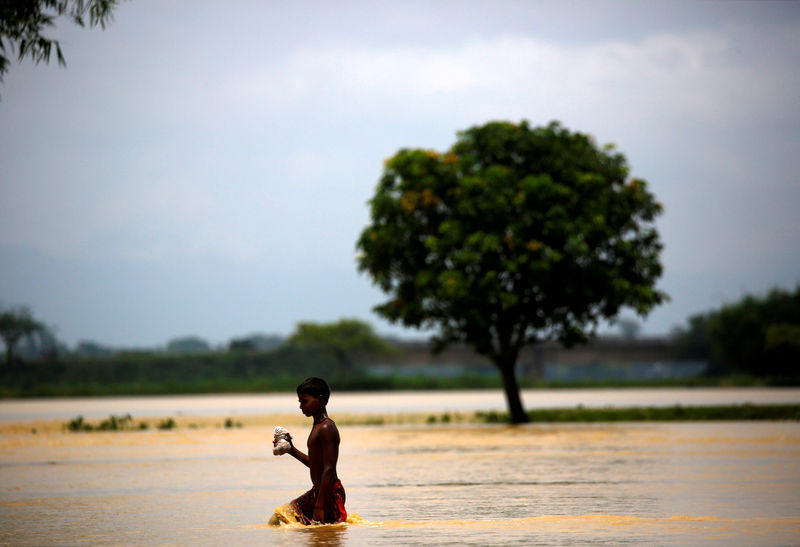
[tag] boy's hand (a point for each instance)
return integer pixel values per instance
(319, 515)
(288, 438)
(282, 442)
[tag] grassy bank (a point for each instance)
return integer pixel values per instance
(789, 412)
(676, 413)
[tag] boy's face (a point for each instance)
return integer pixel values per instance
(309, 405)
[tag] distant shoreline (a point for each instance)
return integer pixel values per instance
(366, 383)
(675, 413)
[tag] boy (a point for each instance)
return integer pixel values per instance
(324, 503)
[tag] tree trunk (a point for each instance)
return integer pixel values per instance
(516, 412)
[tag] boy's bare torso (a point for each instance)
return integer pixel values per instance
(324, 435)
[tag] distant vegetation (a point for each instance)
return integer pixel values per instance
(757, 335)
(113, 423)
(755, 341)
(154, 373)
(746, 412)
(116, 423)
(16, 325)
(188, 344)
(652, 414)
(342, 340)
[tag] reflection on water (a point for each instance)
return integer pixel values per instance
(630, 484)
(324, 535)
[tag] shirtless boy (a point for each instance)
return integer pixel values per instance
(324, 503)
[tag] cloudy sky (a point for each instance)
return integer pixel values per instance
(203, 167)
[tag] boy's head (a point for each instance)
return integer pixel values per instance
(315, 387)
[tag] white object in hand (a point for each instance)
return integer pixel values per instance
(281, 444)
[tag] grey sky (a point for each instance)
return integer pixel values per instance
(203, 168)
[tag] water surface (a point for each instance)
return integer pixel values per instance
(732, 483)
(384, 402)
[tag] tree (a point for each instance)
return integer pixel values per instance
(22, 23)
(758, 335)
(89, 348)
(342, 339)
(255, 342)
(782, 348)
(188, 344)
(515, 235)
(16, 324)
(42, 344)
(693, 342)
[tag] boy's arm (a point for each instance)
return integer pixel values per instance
(299, 456)
(329, 442)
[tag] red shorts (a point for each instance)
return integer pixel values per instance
(334, 506)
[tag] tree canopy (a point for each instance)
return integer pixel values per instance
(758, 335)
(23, 22)
(188, 344)
(755, 335)
(342, 339)
(514, 235)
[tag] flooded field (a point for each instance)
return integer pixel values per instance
(720, 483)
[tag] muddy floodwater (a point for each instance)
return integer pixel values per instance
(710, 483)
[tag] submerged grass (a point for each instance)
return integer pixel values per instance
(113, 423)
(677, 413)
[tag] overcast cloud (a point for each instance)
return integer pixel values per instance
(203, 168)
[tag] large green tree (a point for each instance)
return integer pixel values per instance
(23, 23)
(515, 235)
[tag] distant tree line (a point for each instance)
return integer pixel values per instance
(131, 373)
(189, 364)
(757, 335)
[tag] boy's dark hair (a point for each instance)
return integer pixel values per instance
(315, 387)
